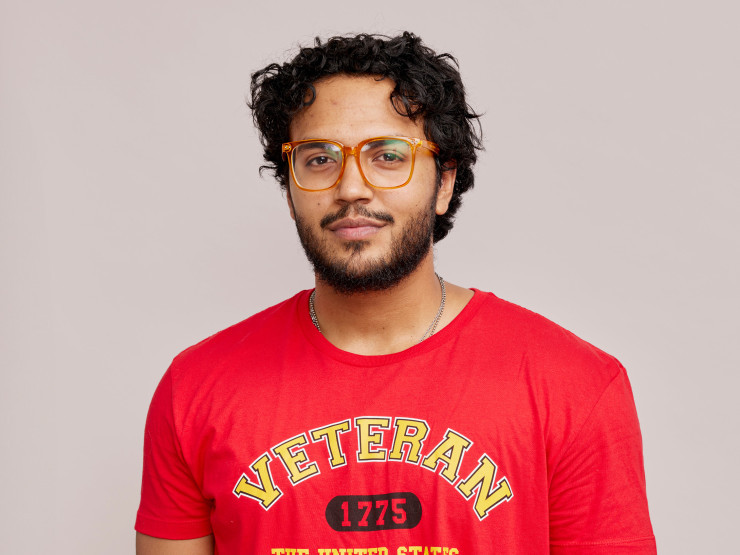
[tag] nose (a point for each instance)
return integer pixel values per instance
(352, 187)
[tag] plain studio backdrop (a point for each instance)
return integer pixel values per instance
(135, 223)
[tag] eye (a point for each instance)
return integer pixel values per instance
(319, 161)
(390, 157)
(317, 156)
(387, 154)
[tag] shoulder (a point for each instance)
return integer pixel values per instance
(556, 375)
(547, 350)
(242, 341)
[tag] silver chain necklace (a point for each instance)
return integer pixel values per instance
(430, 330)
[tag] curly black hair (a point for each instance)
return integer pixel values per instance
(427, 85)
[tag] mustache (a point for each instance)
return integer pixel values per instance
(358, 210)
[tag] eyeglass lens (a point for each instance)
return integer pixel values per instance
(386, 163)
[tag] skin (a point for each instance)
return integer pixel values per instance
(349, 109)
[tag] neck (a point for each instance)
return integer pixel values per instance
(380, 322)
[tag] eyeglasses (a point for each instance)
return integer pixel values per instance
(384, 162)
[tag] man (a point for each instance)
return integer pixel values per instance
(387, 411)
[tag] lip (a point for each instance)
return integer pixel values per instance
(355, 228)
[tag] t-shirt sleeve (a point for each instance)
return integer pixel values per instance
(598, 503)
(172, 505)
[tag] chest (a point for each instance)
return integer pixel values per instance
(425, 455)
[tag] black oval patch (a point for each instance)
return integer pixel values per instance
(368, 513)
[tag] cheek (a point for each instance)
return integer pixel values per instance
(409, 207)
(308, 208)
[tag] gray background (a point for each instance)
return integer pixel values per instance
(134, 223)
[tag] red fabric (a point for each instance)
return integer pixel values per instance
(532, 443)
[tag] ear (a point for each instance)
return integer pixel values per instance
(446, 187)
(291, 208)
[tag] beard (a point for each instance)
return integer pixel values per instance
(353, 274)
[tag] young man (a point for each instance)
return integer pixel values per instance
(387, 411)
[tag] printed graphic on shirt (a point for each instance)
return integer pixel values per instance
(407, 446)
(401, 550)
(370, 513)
(264, 491)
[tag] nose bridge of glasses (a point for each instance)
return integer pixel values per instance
(352, 151)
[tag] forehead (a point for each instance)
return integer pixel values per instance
(352, 108)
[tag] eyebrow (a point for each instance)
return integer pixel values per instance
(379, 135)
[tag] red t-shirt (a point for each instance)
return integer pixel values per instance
(502, 433)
